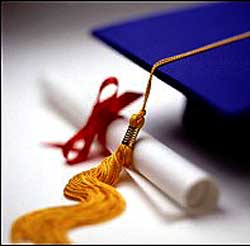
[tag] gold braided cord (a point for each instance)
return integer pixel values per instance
(199, 50)
(98, 200)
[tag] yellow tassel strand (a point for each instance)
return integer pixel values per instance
(98, 199)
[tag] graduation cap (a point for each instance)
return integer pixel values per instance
(217, 82)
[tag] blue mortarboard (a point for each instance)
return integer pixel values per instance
(217, 79)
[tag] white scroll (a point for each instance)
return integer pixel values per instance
(172, 182)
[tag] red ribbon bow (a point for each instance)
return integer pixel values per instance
(102, 115)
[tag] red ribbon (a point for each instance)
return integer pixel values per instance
(102, 115)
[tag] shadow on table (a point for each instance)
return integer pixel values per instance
(172, 211)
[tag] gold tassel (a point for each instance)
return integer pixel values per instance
(99, 200)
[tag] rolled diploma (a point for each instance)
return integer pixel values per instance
(190, 187)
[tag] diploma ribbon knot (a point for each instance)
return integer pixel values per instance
(103, 113)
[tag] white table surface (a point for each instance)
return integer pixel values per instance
(54, 38)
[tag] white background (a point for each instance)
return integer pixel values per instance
(54, 38)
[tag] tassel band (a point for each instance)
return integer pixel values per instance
(130, 136)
